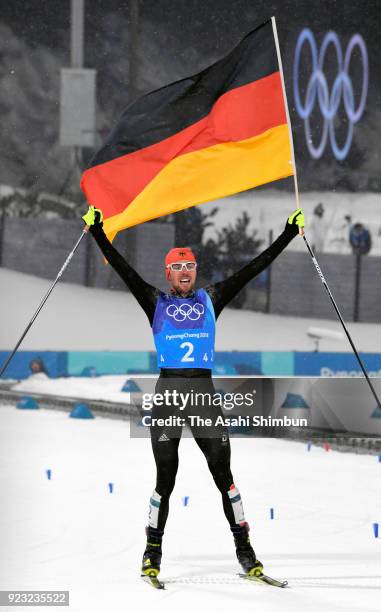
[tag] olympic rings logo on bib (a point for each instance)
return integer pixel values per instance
(318, 90)
(185, 311)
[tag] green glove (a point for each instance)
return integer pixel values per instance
(94, 216)
(296, 220)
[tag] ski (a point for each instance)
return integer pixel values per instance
(153, 581)
(266, 579)
(157, 584)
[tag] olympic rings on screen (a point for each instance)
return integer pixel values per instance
(318, 90)
(185, 311)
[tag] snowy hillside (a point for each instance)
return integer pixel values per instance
(80, 318)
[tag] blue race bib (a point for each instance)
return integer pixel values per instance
(184, 331)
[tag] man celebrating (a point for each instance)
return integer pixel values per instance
(185, 361)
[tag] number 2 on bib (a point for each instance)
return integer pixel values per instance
(190, 348)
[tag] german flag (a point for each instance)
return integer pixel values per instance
(210, 135)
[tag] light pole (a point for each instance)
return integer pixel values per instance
(133, 43)
(76, 33)
(76, 52)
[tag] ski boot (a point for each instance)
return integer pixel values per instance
(245, 553)
(152, 554)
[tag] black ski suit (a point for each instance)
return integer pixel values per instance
(216, 449)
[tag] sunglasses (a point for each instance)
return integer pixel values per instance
(179, 266)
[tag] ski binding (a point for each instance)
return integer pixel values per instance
(153, 580)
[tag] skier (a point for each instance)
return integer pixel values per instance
(186, 366)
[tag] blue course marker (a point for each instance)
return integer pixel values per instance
(375, 530)
(272, 513)
(89, 372)
(49, 474)
(81, 411)
(27, 403)
(111, 487)
(185, 500)
(130, 386)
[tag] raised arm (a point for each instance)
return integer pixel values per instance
(223, 292)
(145, 293)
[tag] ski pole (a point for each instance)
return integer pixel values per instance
(9, 359)
(341, 319)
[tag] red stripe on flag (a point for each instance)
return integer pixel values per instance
(239, 114)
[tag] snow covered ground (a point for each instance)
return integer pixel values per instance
(71, 533)
(103, 388)
(80, 318)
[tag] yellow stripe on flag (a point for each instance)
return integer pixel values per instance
(209, 174)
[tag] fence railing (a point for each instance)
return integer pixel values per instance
(290, 287)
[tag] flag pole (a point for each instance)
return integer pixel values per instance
(292, 161)
(301, 231)
(10, 357)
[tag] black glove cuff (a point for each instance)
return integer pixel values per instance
(291, 229)
(96, 229)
